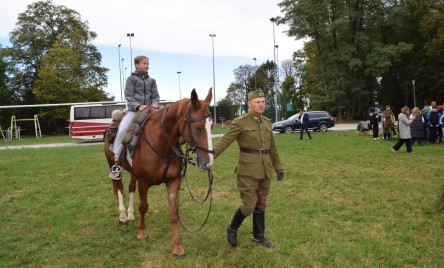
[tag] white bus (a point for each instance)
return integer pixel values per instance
(89, 121)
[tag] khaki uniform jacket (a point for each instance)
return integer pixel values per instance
(255, 133)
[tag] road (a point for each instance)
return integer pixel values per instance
(337, 127)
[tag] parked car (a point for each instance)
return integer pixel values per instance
(319, 120)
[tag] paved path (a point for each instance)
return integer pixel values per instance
(51, 145)
(337, 127)
(343, 127)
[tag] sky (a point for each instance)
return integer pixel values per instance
(174, 34)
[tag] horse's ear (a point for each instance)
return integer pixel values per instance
(194, 98)
(209, 96)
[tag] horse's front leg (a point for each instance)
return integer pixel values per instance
(143, 208)
(173, 190)
(132, 190)
(118, 188)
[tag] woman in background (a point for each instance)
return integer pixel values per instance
(417, 127)
(404, 130)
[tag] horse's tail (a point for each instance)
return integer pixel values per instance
(440, 204)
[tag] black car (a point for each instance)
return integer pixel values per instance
(319, 120)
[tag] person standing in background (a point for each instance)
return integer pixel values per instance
(440, 134)
(388, 123)
(433, 123)
(404, 130)
(375, 120)
(417, 128)
(304, 118)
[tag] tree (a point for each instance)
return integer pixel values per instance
(245, 78)
(61, 79)
(44, 34)
(293, 90)
(226, 109)
(237, 96)
(362, 51)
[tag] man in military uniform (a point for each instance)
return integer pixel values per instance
(258, 159)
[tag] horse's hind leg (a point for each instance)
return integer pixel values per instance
(143, 208)
(132, 190)
(173, 189)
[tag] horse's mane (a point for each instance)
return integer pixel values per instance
(181, 109)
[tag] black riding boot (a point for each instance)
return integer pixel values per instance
(233, 226)
(259, 230)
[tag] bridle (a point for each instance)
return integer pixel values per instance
(192, 147)
(188, 121)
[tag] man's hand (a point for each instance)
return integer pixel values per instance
(280, 174)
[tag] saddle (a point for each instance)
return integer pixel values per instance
(134, 129)
(111, 132)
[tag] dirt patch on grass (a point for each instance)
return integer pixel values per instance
(17, 193)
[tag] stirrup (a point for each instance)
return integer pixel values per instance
(114, 172)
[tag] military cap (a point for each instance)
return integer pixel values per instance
(255, 94)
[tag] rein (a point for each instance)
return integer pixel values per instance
(186, 159)
(208, 195)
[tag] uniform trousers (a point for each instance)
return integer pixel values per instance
(254, 194)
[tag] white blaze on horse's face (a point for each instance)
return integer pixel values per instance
(208, 125)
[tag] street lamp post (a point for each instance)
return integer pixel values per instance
(131, 47)
(123, 80)
(214, 80)
(414, 96)
(120, 74)
(180, 94)
(273, 21)
(277, 77)
(255, 71)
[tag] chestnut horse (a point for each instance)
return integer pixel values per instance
(159, 159)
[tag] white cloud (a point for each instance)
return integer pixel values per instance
(180, 29)
(243, 28)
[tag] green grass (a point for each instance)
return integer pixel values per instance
(346, 201)
(29, 140)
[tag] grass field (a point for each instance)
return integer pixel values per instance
(346, 201)
(30, 140)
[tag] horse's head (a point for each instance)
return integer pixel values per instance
(196, 131)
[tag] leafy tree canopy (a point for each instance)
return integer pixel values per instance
(52, 59)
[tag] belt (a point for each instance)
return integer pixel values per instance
(252, 151)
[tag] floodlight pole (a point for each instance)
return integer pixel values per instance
(131, 48)
(214, 80)
(414, 97)
(273, 21)
(120, 74)
(180, 93)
